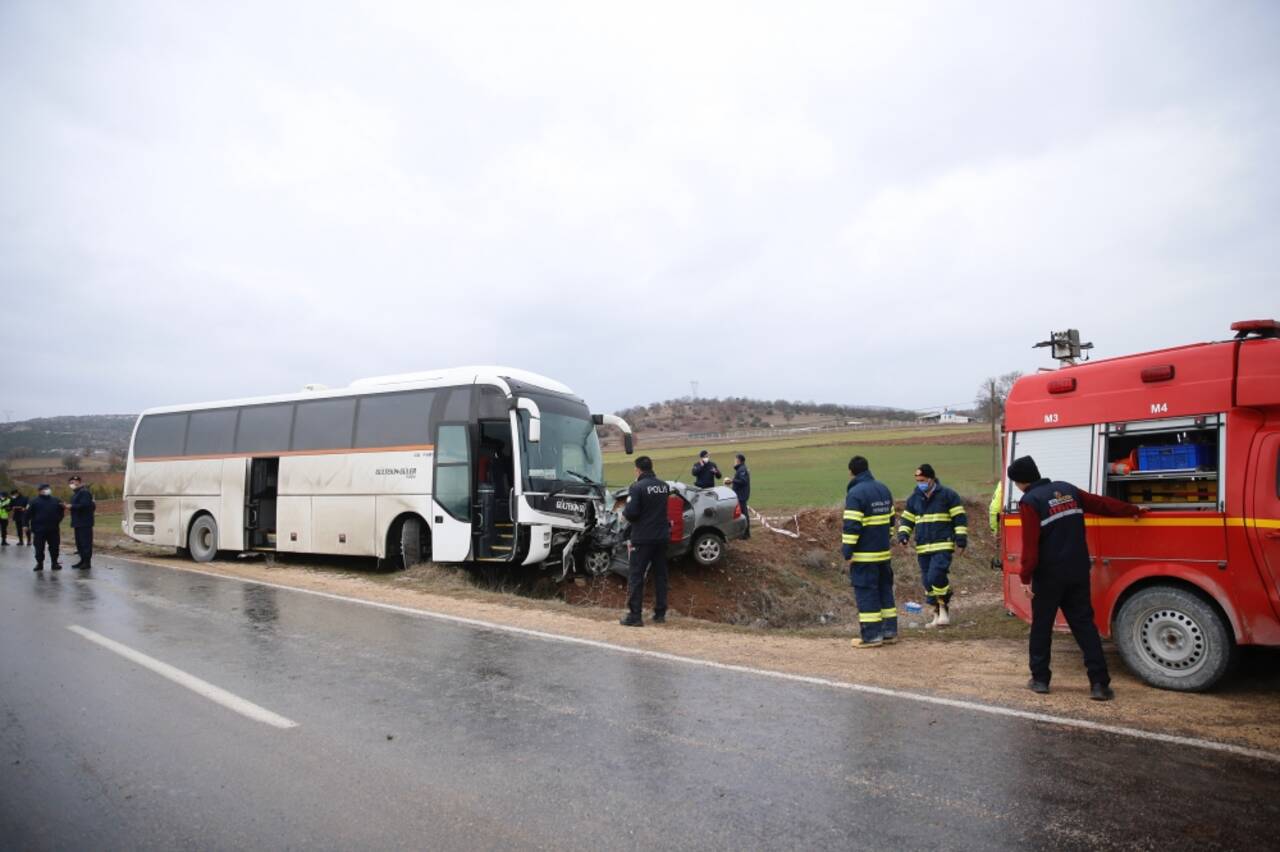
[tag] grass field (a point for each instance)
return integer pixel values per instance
(796, 472)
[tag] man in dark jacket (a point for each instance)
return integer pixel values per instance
(1055, 563)
(868, 521)
(936, 514)
(18, 504)
(741, 485)
(46, 513)
(705, 473)
(82, 509)
(650, 530)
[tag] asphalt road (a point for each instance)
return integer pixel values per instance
(416, 733)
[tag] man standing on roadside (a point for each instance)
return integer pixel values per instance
(705, 473)
(741, 485)
(46, 513)
(18, 504)
(646, 510)
(868, 522)
(4, 520)
(82, 509)
(936, 513)
(1055, 563)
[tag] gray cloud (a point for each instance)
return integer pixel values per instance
(837, 203)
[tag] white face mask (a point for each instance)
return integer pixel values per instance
(45, 492)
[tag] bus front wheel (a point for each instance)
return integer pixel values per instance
(412, 546)
(1173, 639)
(202, 540)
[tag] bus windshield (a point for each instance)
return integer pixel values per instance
(569, 451)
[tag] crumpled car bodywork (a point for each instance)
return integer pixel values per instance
(703, 521)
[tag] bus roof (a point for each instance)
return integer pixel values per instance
(452, 377)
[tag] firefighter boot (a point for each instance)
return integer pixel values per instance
(937, 614)
(944, 614)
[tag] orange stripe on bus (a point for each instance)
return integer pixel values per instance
(334, 452)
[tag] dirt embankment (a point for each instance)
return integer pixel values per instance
(783, 604)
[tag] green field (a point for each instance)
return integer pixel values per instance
(793, 472)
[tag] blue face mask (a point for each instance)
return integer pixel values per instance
(923, 486)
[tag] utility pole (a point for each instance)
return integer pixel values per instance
(995, 430)
(693, 387)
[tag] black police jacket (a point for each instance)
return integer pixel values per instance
(82, 507)
(45, 513)
(742, 482)
(646, 509)
(705, 475)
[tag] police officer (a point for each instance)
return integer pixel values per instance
(82, 509)
(18, 504)
(936, 513)
(741, 485)
(1055, 563)
(705, 473)
(868, 522)
(646, 510)
(46, 513)
(4, 519)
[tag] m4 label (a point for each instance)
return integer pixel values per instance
(1159, 408)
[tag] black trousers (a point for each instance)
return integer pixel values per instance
(746, 514)
(647, 557)
(23, 531)
(52, 540)
(4, 529)
(84, 543)
(1072, 597)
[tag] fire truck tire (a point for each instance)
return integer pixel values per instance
(202, 539)
(707, 548)
(1173, 639)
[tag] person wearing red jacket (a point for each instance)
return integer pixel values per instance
(1055, 563)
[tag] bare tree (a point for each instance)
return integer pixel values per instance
(990, 406)
(70, 461)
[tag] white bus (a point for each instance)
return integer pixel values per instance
(486, 464)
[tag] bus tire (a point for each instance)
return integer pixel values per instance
(202, 539)
(1173, 639)
(411, 544)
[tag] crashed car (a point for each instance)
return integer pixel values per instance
(703, 521)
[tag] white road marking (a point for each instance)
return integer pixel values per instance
(957, 703)
(191, 682)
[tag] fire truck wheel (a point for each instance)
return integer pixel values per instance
(1173, 639)
(707, 548)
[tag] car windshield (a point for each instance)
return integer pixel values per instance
(569, 452)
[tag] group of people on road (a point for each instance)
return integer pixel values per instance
(38, 522)
(1054, 557)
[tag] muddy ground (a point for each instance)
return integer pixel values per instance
(784, 604)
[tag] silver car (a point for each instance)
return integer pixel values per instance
(703, 522)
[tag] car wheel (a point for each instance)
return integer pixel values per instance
(707, 548)
(597, 561)
(1173, 639)
(202, 540)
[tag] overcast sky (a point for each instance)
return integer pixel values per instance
(848, 202)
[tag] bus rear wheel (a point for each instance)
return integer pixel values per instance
(202, 539)
(1173, 639)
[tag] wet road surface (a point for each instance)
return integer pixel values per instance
(415, 733)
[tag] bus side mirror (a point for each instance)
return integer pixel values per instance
(628, 442)
(535, 418)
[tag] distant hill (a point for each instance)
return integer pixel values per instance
(55, 435)
(734, 413)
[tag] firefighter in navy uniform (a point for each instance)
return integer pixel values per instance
(46, 513)
(868, 524)
(936, 513)
(82, 510)
(1055, 562)
(650, 530)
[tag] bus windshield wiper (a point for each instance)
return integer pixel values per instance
(583, 477)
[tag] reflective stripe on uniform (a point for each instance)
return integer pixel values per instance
(872, 556)
(962, 530)
(877, 520)
(936, 518)
(869, 617)
(849, 538)
(888, 613)
(852, 515)
(936, 591)
(936, 547)
(909, 516)
(956, 510)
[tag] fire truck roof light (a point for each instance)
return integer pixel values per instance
(1163, 373)
(1066, 385)
(1260, 327)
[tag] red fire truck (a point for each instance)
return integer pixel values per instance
(1193, 435)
